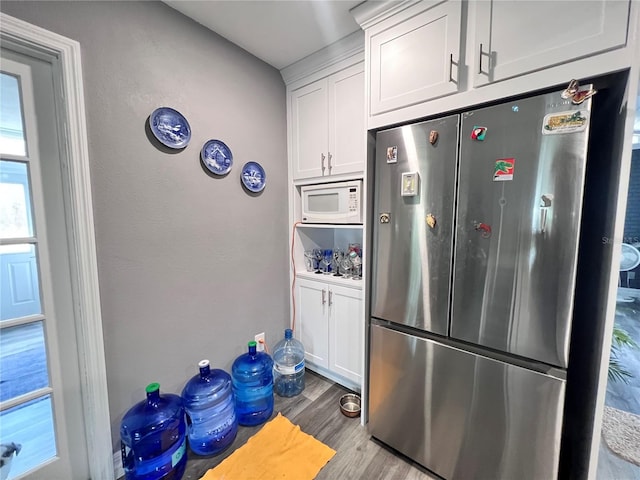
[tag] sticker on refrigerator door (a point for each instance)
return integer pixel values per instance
(565, 122)
(433, 137)
(410, 184)
(503, 170)
(392, 154)
(478, 133)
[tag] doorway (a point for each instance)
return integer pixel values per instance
(619, 456)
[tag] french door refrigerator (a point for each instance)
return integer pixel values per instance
(475, 240)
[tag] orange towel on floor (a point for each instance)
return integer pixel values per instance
(280, 450)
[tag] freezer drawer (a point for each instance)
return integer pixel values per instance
(461, 415)
(412, 245)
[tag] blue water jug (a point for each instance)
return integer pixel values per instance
(211, 417)
(288, 366)
(252, 379)
(153, 438)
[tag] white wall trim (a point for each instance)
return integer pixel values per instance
(80, 229)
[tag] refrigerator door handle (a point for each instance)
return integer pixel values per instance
(546, 200)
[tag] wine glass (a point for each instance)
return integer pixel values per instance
(346, 266)
(326, 260)
(318, 254)
(309, 260)
(338, 256)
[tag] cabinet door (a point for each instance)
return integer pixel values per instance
(312, 327)
(346, 332)
(415, 60)
(309, 119)
(513, 38)
(346, 121)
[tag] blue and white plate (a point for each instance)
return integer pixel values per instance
(253, 177)
(170, 127)
(217, 157)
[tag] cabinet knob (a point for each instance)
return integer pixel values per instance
(322, 162)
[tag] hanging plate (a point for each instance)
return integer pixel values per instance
(217, 157)
(170, 127)
(253, 177)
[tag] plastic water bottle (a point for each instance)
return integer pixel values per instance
(211, 417)
(252, 379)
(288, 366)
(153, 438)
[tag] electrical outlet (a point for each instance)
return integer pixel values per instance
(260, 340)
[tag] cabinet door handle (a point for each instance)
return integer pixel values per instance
(451, 67)
(324, 299)
(329, 156)
(322, 162)
(480, 61)
(330, 298)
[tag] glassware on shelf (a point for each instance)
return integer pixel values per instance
(309, 260)
(346, 266)
(356, 261)
(327, 258)
(318, 255)
(338, 256)
(355, 247)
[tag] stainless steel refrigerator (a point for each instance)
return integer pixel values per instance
(475, 240)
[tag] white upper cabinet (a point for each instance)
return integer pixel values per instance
(310, 128)
(518, 37)
(328, 125)
(414, 55)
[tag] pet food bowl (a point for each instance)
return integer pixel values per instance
(350, 405)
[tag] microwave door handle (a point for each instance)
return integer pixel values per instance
(322, 162)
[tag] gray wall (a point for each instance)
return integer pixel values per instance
(190, 266)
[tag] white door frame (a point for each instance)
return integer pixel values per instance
(80, 229)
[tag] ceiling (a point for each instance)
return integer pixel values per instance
(279, 32)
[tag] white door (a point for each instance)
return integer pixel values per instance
(309, 130)
(346, 329)
(346, 121)
(312, 327)
(40, 400)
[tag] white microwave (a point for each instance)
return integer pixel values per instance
(339, 202)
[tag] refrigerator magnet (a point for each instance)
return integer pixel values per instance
(478, 133)
(503, 170)
(392, 154)
(572, 121)
(410, 184)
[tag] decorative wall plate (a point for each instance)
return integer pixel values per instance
(217, 157)
(253, 177)
(170, 127)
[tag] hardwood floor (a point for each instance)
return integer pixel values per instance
(316, 411)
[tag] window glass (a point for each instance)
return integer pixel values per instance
(35, 438)
(19, 281)
(23, 360)
(15, 205)
(12, 139)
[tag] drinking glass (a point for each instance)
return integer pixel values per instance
(346, 266)
(318, 254)
(356, 261)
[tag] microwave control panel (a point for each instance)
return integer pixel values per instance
(353, 199)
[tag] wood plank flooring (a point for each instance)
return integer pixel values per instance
(316, 411)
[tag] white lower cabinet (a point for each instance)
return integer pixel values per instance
(329, 325)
